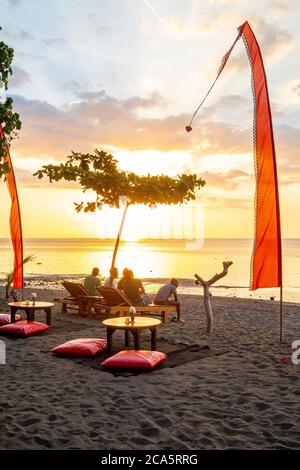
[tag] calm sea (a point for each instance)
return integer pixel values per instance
(156, 259)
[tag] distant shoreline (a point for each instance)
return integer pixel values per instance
(153, 260)
(141, 240)
(187, 286)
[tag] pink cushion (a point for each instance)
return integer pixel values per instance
(131, 359)
(24, 328)
(80, 347)
(5, 318)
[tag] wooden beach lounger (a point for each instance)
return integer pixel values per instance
(117, 303)
(79, 298)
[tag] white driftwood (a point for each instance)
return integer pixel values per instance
(207, 295)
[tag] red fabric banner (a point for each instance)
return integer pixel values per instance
(15, 219)
(266, 263)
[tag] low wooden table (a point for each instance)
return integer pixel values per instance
(30, 309)
(140, 324)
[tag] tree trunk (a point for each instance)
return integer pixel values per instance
(118, 242)
(208, 310)
(207, 295)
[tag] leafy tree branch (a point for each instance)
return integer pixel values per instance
(99, 172)
(9, 120)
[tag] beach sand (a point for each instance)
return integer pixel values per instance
(246, 398)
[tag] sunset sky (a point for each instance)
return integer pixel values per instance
(125, 76)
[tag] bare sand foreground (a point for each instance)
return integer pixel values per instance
(247, 398)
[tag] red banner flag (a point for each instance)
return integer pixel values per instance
(15, 219)
(266, 263)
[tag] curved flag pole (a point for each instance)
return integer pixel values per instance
(266, 261)
(15, 220)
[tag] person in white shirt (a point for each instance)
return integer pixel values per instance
(111, 280)
(167, 295)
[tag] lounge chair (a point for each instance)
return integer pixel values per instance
(116, 302)
(79, 298)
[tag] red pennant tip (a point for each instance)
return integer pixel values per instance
(188, 128)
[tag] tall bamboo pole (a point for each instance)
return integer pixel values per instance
(281, 316)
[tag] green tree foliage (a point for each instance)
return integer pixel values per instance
(10, 121)
(99, 172)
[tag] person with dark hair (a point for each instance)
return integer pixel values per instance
(111, 280)
(167, 295)
(122, 280)
(134, 289)
(93, 282)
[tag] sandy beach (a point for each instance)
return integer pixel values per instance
(245, 398)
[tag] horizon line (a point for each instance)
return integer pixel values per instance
(142, 239)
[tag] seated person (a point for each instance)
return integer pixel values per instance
(110, 281)
(92, 282)
(122, 280)
(165, 294)
(134, 289)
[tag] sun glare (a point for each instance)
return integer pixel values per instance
(142, 222)
(131, 239)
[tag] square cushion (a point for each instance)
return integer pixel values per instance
(80, 347)
(24, 328)
(5, 318)
(132, 359)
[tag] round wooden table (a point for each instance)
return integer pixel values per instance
(30, 308)
(140, 324)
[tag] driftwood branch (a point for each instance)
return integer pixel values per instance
(207, 295)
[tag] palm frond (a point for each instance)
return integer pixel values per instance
(29, 258)
(10, 276)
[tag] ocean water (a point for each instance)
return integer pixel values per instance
(152, 259)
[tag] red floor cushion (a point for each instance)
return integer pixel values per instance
(24, 328)
(80, 347)
(131, 359)
(5, 318)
